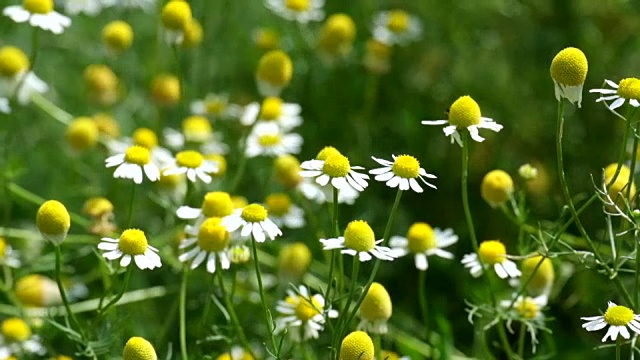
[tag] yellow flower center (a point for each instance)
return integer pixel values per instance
(107, 126)
(278, 204)
(82, 133)
(15, 330)
(306, 309)
(357, 346)
(527, 308)
(421, 238)
(192, 34)
(629, 88)
(53, 218)
(271, 108)
(133, 242)
(618, 190)
(197, 128)
(337, 33)
(33, 290)
(215, 106)
(138, 348)
(492, 252)
(266, 39)
(542, 278)
(286, 169)
(464, 112)
(137, 155)
(254, 213)
(618, 315)
(276, 68)
(165, 89)
(145, 137)
(189, 158)
(359, 236)
(294, 259)
(336, 166)
(496, 187)
(97, 207)
(398, 21)
(12, 61)
(213, 237)
(376, 304)
(298, 5)
(176, 15)
(118, 35)
(3, 248)
(327, 152)
(269, 140)
(38, 6)
(406, 166)
(217, 204)
(569, 67)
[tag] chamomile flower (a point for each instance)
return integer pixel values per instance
(274, 73)
(252, 219)
(618, 318)
(569, 71)
(375, 310)
(303, 315)
(210, 243)
(198, 131)
(8, 256)
(496, 187)
(236, 353)
(18, 338)
(138, 348)
(528, 311)
(294, 260)
(146, 138)
(216, 106)
(402, 172)
(359, 240)
(284, 212)
(627, 90)
(132, 244)
(493, 253)
(193, 164)
(396, 27)
(215, 204)
(38, 13)
(268, 139)
(16, 79)
(539, 278)
(465, 113)
(335, 168)
(53, 221)
(176, 16)
(423, 241)
(301, 11)
(357, 346)
(273, 109)
(132, 162)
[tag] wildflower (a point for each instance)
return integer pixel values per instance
(359, 240)
(618, 318)
(283, 212)
(377, 56)
(528, 172)
(215, 204)
(294, 260)
(211, 242)
(496, 187)
(101, 210)
(322, 194)
(623, 184)
(396, 27)
(303, 314)
(102, 84)
(82, 133)
(569, 71)
(402, 172)
(266, 39)
(18, 338)
(287, 168)
(132, 243)
(193, 34)
(337, 170)
(273, 109)
(337, 36)
(145, 138)
(118, 36)
(423, 241)
(222, 164)
(268, 139)
(131, 164)
(40, 14)
(8, 256)
(491, 252)
(542, 280)
(216, 106)
(15, 77)
(195, 129)
(89, 7)
(252, 219)
(176, 16)
(193, 164)
(236, 353)
(528, 310)
(36, 290)
(239, 254)
(465, 113)
(301, 11)
(138, 348)
(357, 346)
(274, 73)
(375, 310)
(165, 89)
(53, 221)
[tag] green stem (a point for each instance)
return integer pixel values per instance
(377, 346)
(63, 293)
(242, 164)
(265, 308)
(465, 190)
(228, 301)
(618, 347)
(637, 278)
(521, 337)
(131, 203)
(422, 297)
(125, 285)
(336, 233)
(176, 56)
(354, 284)
(183, 314)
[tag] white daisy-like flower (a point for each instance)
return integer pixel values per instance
(618, 318)
(252, 220)
(132, 244)
(337, 170)
(303, 315)
(273, 109)
(627, 90)
(38, 13)
(216, 106)
(89, 7)
(210, 242)
(215, 204)
(359, 240)
(268, 139)
(132, 162)
(301, 11)
(465, 113)
(323, 194)
(283, 212)
(402, 172)
(423, 241)
(193, 164)
(17, 338)
(569, 71)
(146, 138)
(4, 106)
(492, 253)
(528, 311)
(23, 87)
(396, 27)
(177, 140)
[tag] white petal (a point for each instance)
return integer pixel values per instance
(421, 262)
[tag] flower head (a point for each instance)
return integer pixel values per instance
(214, 204)
(287, 168)
(165, 89)
(138, 348)
(38, 13)
(118, 36)
(193, 164)
(273, 110)
(492, 253)
(335, 168)
(301, 11)
(496, 187)
(53, 221)
(216, 106)
(13, 62)
(210, 242)
(132, 162)
(252, 220)
(357, 346)
(618, 318)
(627, 90)
(176, 16)
(541, 280)
(82, 133)
(101, 210)
(359, 240)
(268, 139)
(375, 310)
(294, 260)
(36, 290)
(16, 337)
(301, 310)
(396, 27)
(284, 212)
(8, 256)
(423, 241)
(131, 244)
(402, 172)
(337, 36)
(377, 56)
(569, 71)
(274, 73)
(266, 38)
(465, 113)
(622, 185)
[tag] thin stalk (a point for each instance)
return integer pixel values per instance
(63, 293)
(242, 164)
(132, 201)
(125, 285)
(228, 301)
(354, 284)
(618, 347)
(422, 297)
(377, 346)
(637, 277)
(265, 308)
(183, 314)
(521, 337)
(465, 190)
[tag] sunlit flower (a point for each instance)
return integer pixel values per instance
(359, 240)
(336, 169)
(273, 109)
(283, 212)
(82, 133)
(138, 348)
(539, 278)
(252, 219)
(216, 106)
(53, 221)
(301, 11)
(294, 260)
(132, 244)
(303, 315)
(166, 89)
(118, 36)
(176, 16)
(396, 27)
(274, 73)
(132, 162)
(236, 353)
(266, 38)
(38, 13)
(210, 243)
(336, 37)
(214, 204)
(491, 253)
(618, 318)
(100, 210)
(193, 164)
(375, 310)
(17, 338)
(146, 138)
(197, 131)
(357, 346)
(402, 173)
(528, 311)
(16, 79)
(465, 113)
(423, 241)
(496, 187)
(569, 71)
(627, 90)
(322, 194)
(268, 139)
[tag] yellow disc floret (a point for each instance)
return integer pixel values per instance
(176, 15)
(337, 34)
(359, 236)
(398, 21)
(38, 6)
(464, 112)
(254, 213)
(326, 152)
(133, 242)
(197, 128)
(618, 315)
(306, 309)
(145, 137)
(37, 290)
(82, 133)
(496, 187)
(527, 308)
(138, 348)
(100, 78)
(215, 106)
(118, 35)
(165, 89)
(107, 125)
(266, 39)
(492, 252)
(357, 346)
(287, 169)
(189, 158)
(420, 237)
(542, 279)
(629, 88)
(97, 207)
(278, 204)
(192, 34)
(53, 221)
(569, 67)
(336, 166)
(213, 237)
(137, 155)
(294, 259)
(619, 189)
(406, 166)
(376, 304)
(269, 140)
(13, 61)
(217, 204)
(271, 108)
(275, 68)
(298, 5)
(15, 330)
